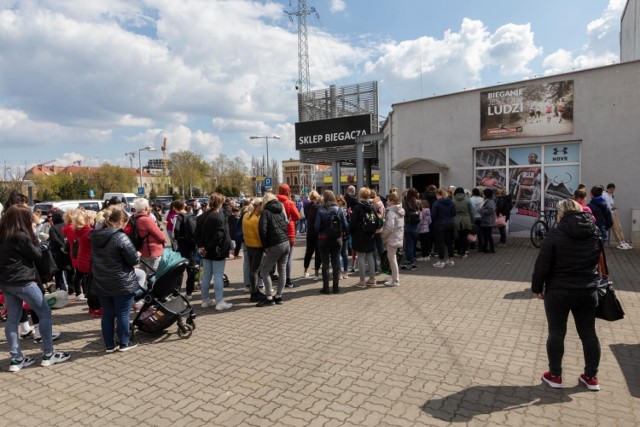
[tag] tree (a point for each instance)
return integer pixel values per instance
(187, 169)
(112, 178)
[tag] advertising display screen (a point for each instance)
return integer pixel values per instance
(331, 132)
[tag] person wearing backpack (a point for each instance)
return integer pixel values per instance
(393, 235)
(253, 245)
(184, 231)
(362, 227)
(214, 243)
(146, 235)
(330, 224)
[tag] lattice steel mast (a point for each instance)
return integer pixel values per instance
(302, 12)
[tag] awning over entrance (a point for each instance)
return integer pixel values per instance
(418, 165)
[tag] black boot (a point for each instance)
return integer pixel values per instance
(324, 290)
(336, 289)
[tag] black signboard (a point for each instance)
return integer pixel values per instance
(331, 132)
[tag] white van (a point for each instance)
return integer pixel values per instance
(126, 199)
(66, 205)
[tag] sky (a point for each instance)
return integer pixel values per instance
(89, 81)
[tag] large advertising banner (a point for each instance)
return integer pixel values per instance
(331, 132)
(526, 180)
(525, 111)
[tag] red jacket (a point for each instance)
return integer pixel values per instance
(70, 233)
(84, 249)
(155, 239)
(292, 214)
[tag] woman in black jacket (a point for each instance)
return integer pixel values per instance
(273, 229)
(114, 279)
(329, 240)
(565, 276)
(310, 213)
(363, 241)
(20, 257)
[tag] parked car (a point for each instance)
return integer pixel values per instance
(163, 201)
(66, 205)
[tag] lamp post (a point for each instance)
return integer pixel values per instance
(147, 148)
(266, 138)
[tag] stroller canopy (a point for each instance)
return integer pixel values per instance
(168, 260)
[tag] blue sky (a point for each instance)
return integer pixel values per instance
(92, 80)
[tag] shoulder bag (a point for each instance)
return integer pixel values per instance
(609, 307)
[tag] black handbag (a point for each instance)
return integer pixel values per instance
(609, 307)
(47, 267)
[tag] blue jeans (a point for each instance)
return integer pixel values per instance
(344, 254)
(246, 265)
(366, 257)
(115, 311)
(215, 269)
(411, 242)
(32, 295)
(289, 259)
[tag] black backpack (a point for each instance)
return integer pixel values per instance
(414, 218)
(370, 221)
(333, 225)
(134, 234)
(185, 228)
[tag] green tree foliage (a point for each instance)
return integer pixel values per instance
(112, 178)
(229, 176)
(152, 194)
(187, 170)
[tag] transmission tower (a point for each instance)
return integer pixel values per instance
(302, 12)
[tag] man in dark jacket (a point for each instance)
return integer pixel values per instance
(273, 229)
(442, 213)
(600, 211)
(56, 245)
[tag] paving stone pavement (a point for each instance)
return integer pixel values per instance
(460, 345)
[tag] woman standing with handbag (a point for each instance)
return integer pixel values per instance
(565, 277)
(20, 257)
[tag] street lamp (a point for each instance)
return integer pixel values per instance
(147, 148)
(266, 138)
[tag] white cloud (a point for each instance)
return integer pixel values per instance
(337, 6)
(457, 59)
(602, 47)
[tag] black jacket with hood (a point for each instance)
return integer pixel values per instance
(19, 256)
(361, 241)
(568, 258)
(112, 259)
(273, 225)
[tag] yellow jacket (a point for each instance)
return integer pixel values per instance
(250, 230)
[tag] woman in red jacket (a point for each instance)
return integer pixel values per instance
(152, 236)
(70, 234)
(83, 222)
(290, 209)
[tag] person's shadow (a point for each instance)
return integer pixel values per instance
(466, 404)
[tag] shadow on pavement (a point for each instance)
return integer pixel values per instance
(466, 404)
(525, 294)
(628, 357)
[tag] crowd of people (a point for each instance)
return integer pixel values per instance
(103, 258)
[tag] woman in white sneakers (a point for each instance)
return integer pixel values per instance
(20, 257)
(393, 235)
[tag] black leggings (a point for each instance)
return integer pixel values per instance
(582, 304)
(312, 247)
(444, 238)
(487, 238)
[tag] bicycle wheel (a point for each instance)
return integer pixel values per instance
(538, 233)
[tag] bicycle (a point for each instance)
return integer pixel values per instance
(546, 221)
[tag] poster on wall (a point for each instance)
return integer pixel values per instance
(526, 180)
(491, 178)
(491, 158)
(562, 182)
(525, 111)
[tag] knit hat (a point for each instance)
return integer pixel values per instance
(488, 193)
(459, 190)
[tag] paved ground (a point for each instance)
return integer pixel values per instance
(461, 345)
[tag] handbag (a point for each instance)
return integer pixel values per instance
(501, 221)
(47, 267)
(609, 307)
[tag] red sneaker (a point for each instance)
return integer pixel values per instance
(591, 383)
(554, 381)
(95, 313)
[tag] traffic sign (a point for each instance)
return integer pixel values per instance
(268, 182)
(140, 191)
(92, 193)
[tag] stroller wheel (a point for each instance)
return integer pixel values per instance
(185, 331)
(191, 322)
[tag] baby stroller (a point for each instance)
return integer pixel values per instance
(163, 304)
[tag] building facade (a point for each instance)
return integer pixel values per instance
(536, 139)
(630, 32)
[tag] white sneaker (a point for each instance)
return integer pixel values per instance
(56, 357)
(189, 297)
(222, 305)
(628, 245)
(37, 339)
(206, 303)
(439, 264)
(306, 275)
(622, 246)
(391, 283)
(449, 263)
(344, 276)
(317, 277)
(81, 297)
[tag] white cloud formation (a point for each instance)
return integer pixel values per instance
(602, 47)
(337, 6)
(457, 59)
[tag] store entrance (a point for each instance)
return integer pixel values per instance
(420, 182)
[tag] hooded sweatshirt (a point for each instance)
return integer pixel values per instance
(273, 226)
(568, 258)
(290, 209)
(393, 229)
(113, 257)
(443, 211)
